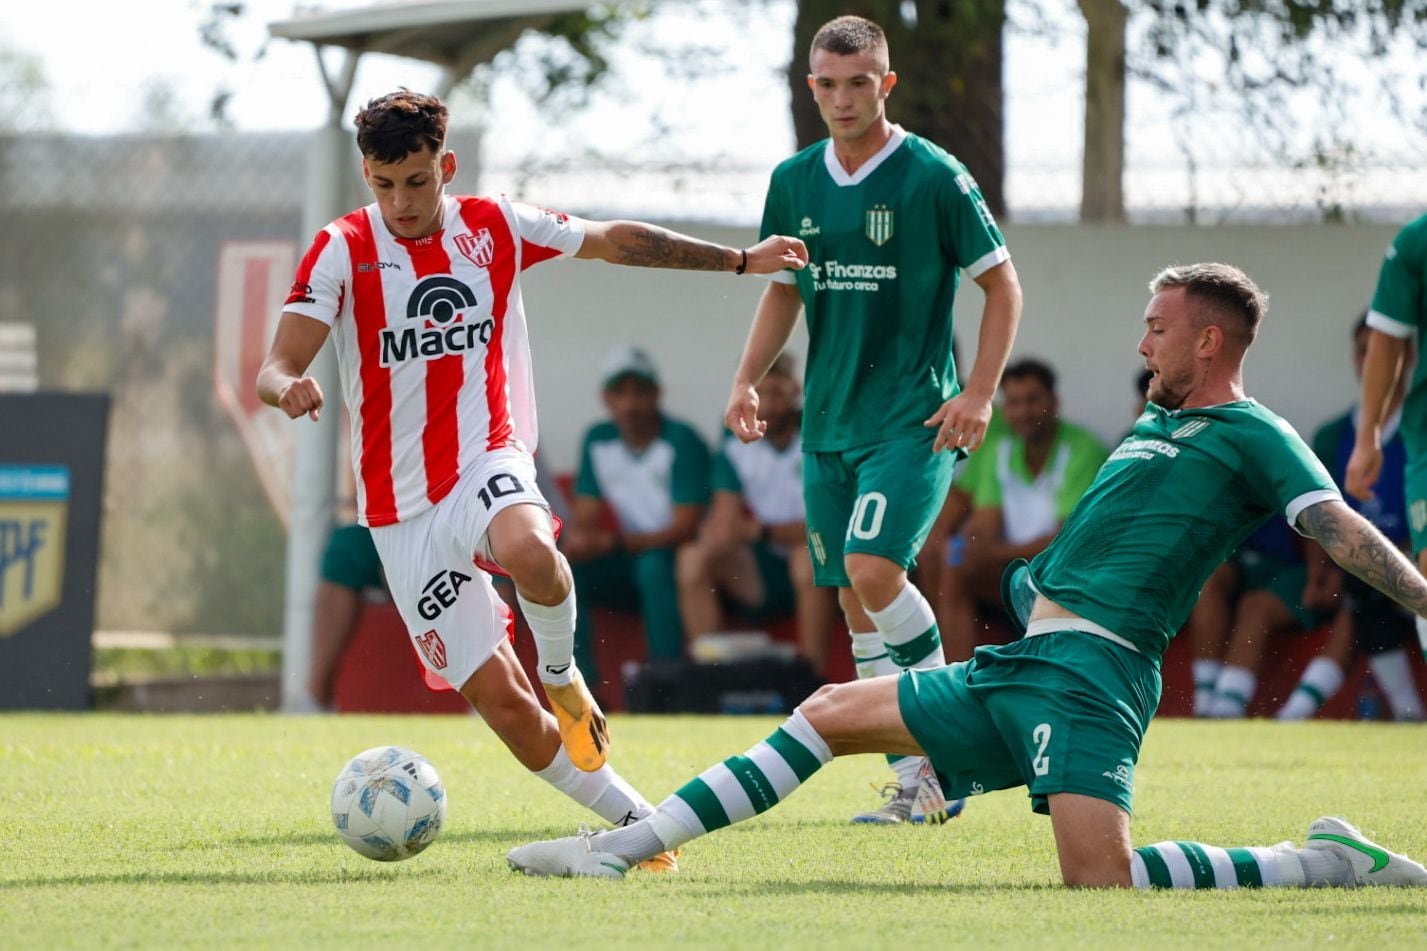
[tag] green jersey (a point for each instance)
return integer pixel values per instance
(886, 245)
(1399, 308)
(1169, 505)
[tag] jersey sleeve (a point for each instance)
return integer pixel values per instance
(546, 234)
(775, 221)
(724, 477)
(1283, 472)
(969, 234)
(351, 559)
(690, 478)
(318, 290)
(1398, 304)
(586, 483)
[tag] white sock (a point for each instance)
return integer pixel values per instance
(604, 792)
(1206, 673)
(1232, 692)
(870, 656)
(1393, 673)
(1320, 680)
(553, 627)
(908, 628)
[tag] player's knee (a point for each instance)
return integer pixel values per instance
(875, 580)
(535, 565)
(691, 564)
(822, 709)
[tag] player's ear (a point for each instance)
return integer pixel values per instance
(888, 82)
(448, 167)
(366, 172)
(811, 86)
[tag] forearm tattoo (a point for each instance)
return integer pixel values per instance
(648, 246)
(1358, 547)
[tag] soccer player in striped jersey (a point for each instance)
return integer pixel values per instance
(1063, 711)
(420, 291)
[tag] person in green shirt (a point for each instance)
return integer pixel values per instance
(1398, 312)
(1063, 711)
(890, 221)
(1028, 485)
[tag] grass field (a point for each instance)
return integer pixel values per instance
(213, 831)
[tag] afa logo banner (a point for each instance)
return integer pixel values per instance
(34, 509)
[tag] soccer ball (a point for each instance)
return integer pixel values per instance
(388, 803)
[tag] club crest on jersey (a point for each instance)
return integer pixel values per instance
(879, 225)
(1192, 428)
(478, 248)
(433, 647)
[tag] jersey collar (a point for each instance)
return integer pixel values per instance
(839, 174)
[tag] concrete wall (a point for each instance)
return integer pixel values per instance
(1085, 297)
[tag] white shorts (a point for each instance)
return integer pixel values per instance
(452, 613)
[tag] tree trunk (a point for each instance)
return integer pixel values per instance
(1102, 171)
(949, 89)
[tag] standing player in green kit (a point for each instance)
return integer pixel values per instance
(1399, 311)
(890, 220)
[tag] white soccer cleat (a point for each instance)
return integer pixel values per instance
(570, 857)
(1371, 863)
(930, 805)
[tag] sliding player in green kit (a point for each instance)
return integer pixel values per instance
(890, 220)
(1063, 710)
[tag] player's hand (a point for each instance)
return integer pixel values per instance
(741, 417)
(301, 396)
(960, 422)
(776, 253)
(1364, 466)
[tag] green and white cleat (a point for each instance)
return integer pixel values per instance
(1371, 863)
(570, 857)
(896, 809)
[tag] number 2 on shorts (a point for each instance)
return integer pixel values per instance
(867, 515)
(1041, 735)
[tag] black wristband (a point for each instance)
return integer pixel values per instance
(743, 264)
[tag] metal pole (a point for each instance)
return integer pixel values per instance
(315, 470)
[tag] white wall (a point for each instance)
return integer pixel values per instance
(1085, 297)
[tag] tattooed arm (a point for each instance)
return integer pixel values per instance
(1353, 542)
(645, 245)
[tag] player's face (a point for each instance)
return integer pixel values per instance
(409, 192)
(633, 405)
(851, 92)
(1170, 347)
(778, 399)
(1031, 410)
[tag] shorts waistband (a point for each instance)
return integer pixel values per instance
(1049, 625)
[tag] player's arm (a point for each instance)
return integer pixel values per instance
(1355, 544)
(644, 245)
(280, 381)
(962, 420)
(1381, 369)
(773, 324)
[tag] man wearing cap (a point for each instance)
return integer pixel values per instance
(641, 490)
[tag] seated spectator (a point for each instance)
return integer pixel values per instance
(1032, 480)
(351, 575)
(1281, 584)
(1367, 619)
(640, 492)
(752, 549)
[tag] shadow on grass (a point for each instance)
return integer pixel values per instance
(330, 876)
(323, 837)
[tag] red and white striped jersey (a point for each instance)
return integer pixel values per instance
(431, 341)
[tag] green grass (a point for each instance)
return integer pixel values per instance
(213, 831)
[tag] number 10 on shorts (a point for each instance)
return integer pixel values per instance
(867, 515)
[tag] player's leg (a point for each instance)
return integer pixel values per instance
(1208, 630)
(659, 602)
(1262, 613)
(500, 513)
(839, 719)
(814, 608)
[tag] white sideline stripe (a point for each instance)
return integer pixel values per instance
(776, 769)
(1223, 866)
(730, 793)
(1179, 871)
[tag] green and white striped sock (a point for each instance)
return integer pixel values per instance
(908, 628)
(1192, 865)
(739, 788)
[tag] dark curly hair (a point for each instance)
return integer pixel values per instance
(391, 127)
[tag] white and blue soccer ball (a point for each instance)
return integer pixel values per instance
(388, 803)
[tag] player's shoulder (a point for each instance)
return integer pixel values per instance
(1412, 239)
(680, 433)
(801, 163)
(1254, 420)
(602, 431)
(931, 159)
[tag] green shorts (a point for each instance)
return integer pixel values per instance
(1285, 580)
(1057, 713)
(1414, 487)
(877, 500)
